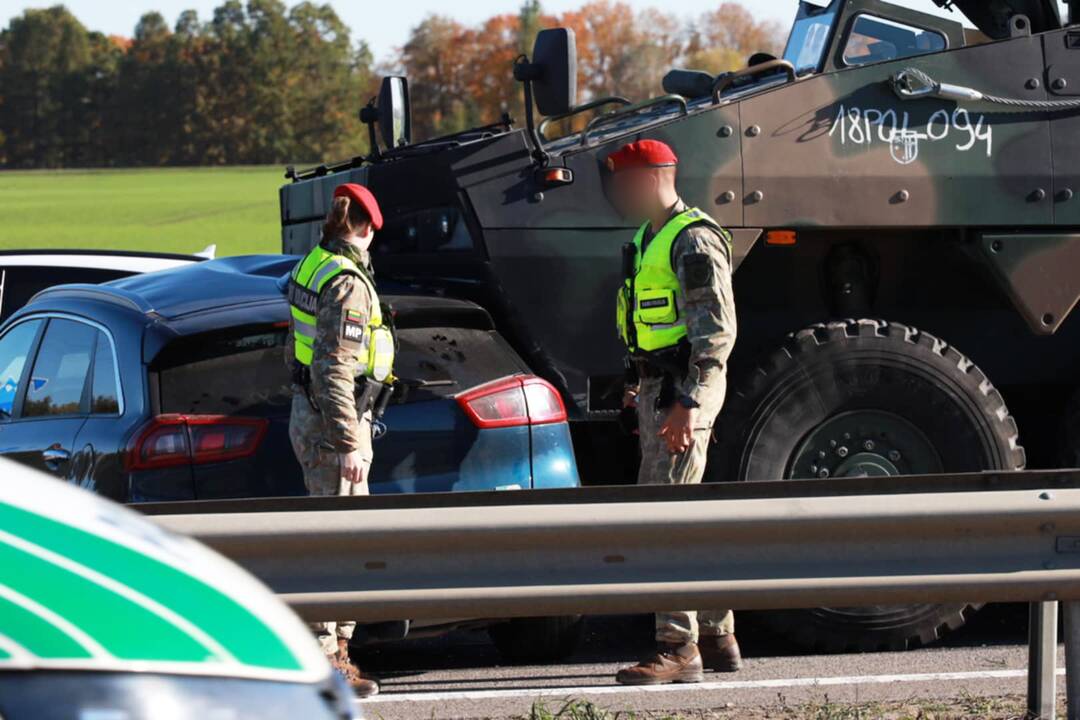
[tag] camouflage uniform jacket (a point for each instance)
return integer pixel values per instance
(335, 358)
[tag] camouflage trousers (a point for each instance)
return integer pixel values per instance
(322, 476)
(660, 467)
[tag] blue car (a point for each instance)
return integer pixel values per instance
(172, 386)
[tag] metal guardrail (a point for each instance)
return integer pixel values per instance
(984, 537)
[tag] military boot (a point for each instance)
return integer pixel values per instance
(671, 664)
(720, 653)
(362, 686)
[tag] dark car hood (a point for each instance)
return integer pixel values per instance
(992, 16)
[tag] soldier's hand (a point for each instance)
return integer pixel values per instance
(630, 395)
(353, 467)
(677, 430)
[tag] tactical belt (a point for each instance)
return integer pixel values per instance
(672, 365)
(645, 369)
(369, 394)
(673, 362)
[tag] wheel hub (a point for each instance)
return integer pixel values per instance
(864, 443)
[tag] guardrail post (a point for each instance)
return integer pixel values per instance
(1071, 610)
(1042, 661)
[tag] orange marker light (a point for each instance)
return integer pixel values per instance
(554, 177)
(780, 237)
(557, 175)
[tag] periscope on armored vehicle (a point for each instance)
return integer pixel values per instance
(900, 191)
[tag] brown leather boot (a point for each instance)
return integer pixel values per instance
(671, 664)
(720, 653)
(362, 686)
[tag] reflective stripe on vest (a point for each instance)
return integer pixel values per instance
(650, 305)
(308, 279)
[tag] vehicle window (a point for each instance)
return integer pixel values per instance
(809, 38)
(19, 284)
(428, 231)
(14, 347)
(441, 362)
(875, 39)
(104, 395)
(240, 372)
(58, 379)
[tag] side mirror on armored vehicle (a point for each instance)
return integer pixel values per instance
(550, 78)
(395, 113)
(555, 51)
(391, 112)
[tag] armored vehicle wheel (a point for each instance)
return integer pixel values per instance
(865, 398)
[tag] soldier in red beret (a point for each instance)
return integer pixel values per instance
(676, 316)
(341, 356)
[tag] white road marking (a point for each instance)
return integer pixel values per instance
(587, 691)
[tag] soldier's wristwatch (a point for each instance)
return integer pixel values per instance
(688, 402)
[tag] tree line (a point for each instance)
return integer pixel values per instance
(262, 83)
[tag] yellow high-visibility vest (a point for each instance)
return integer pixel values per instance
(649, 308)
(309, 277)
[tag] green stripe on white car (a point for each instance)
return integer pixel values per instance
(85, 584)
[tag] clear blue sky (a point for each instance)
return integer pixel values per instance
(385, 25)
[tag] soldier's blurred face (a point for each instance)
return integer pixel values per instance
(634, 193)
(362, 235)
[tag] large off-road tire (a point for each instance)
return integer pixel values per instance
(537, 641)
(864, 398)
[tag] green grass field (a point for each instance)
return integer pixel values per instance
(162, 210)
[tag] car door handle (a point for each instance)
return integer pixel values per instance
(55, 455)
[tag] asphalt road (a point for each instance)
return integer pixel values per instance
(461, 676)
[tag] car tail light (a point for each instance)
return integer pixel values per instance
(172, 440)
(513, 401)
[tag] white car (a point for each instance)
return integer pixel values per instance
(25, 273)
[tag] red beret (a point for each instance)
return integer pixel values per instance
(642, 154)
(360, 194)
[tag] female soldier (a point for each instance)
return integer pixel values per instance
(338, 353)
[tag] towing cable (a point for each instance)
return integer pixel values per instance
(914, 84)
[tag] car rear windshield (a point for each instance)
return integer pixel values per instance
(441, 362)
(237, 372)
(242, 372)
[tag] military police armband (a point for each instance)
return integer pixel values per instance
(353, 323)
(698, 271)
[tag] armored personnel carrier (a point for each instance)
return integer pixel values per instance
(902, 193)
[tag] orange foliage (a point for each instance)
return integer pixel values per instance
(462, 76)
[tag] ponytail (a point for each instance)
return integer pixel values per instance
(344, 218)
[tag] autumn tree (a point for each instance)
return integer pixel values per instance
(260, 82)
(723, 39)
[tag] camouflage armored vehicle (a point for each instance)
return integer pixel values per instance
(902, 192)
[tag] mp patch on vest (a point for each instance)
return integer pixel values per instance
(698, 270)
(353, 323)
